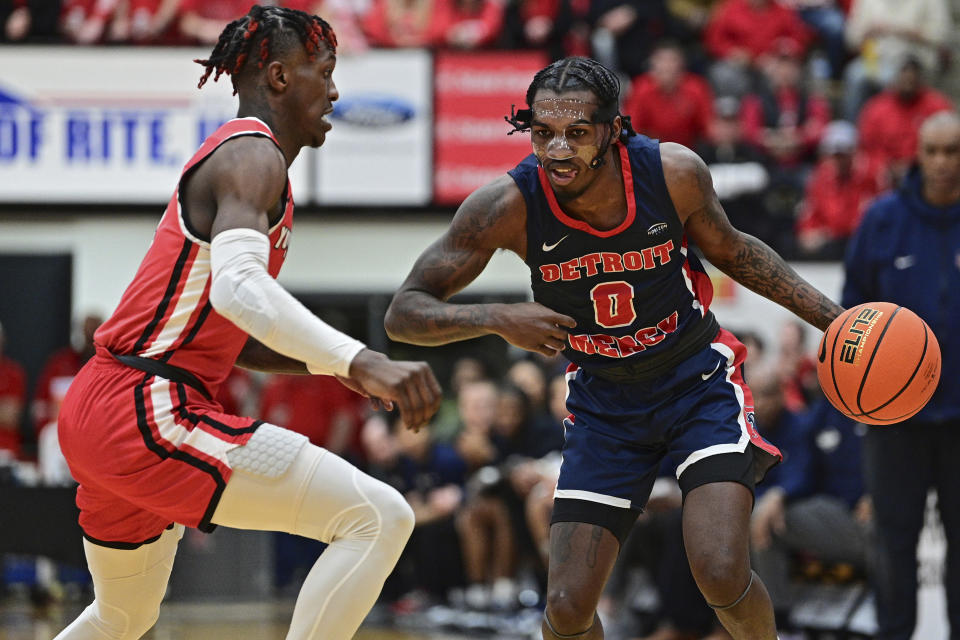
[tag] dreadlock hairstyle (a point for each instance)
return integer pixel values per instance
(262, 32)
(573, 74)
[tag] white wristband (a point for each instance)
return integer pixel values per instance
(242, 291)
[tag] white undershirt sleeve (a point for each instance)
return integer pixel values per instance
(242, 291)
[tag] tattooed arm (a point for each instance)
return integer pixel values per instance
(493, 217)
(742, 257)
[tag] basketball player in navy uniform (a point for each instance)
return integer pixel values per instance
(606, 221)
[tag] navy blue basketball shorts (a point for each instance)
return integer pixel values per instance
(697, 418)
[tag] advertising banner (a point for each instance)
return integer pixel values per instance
(380, 148)
(99, 125)
(472, 94)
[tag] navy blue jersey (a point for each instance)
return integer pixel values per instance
(639, 295)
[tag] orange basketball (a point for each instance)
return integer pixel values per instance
(879, 363)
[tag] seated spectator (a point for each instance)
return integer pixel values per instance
(740, 176)
(741, 33)
(624, 32)
(202, 21)
(890, 121)
(89, 21)
(669, 103)
(559, 27)
(432, 476)
(814, 505)
(151, 22)
(29, 21)
(63, 364)
(446, 423)
(782, 118)
(405, 23)
(346, 17)
(842, 184)
(13, 397)
(883, 33)
(471, 24)
(796, 367)
(319, 407)
(828, 20)
(477, 403)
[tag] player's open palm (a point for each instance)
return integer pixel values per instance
(410, 386)
(534, 327)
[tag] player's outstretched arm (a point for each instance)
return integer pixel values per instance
(741, 256)
(245, 180)
(492, 218)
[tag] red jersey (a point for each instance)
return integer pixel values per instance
(13, 392)
(165, 313)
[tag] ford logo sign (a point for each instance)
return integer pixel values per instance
(373, 110)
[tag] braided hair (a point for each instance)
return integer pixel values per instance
(262, 32)
(573, 74)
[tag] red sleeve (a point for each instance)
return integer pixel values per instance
(492, 20)
(870, 128)
(811, 216)
(374, 25)
(818, 117)
(539, 9)
(751, 118)
(716, 36)
(633, 107)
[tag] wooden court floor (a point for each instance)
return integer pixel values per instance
(180, 621)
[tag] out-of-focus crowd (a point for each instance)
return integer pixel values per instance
(804, 109)
(481, 482)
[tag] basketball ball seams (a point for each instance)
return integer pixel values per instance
(833, 354)
(923, 354)
(877, 402)
(873, 354)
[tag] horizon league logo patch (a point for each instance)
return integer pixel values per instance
(857, 334)
(657, 229)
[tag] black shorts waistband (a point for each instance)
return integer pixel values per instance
(164, 370)
(693, 340)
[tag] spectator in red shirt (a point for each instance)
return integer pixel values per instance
(745, 30)
(842, 185)
(782, 119)
(472, 24)
(13, 395)
(319, 407)
(406, 23)
(742, 33)
(65, 363)
(668, 102)
(889, 121)
(149, 22)
(90, 21)
(202, 21)
(559, 27)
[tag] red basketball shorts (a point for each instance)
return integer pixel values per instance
(146, 451)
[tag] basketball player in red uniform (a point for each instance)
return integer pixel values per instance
(152, 452)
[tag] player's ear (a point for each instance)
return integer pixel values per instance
(277, 75)
(617, 127)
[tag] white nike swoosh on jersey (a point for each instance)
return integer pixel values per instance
(904, 262)
(706, 376)
(551, 247)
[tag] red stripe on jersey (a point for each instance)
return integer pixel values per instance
(724, 337)
(627, 172)
(699, 282)
(165, 312)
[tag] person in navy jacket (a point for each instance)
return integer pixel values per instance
(907, 251)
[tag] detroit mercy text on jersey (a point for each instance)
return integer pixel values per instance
(165, 313)
(638, 294)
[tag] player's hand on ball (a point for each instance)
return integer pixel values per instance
(410, 386)
(532, 326)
